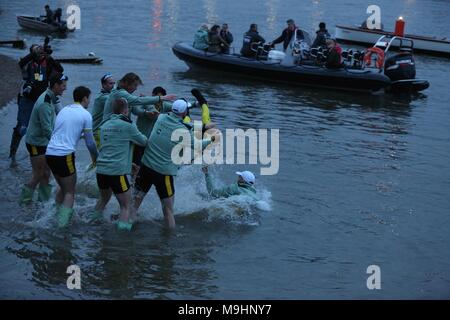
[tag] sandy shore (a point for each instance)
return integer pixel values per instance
(10, 77)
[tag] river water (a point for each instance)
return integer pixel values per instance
(363, 179)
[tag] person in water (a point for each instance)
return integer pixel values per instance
(201, 38)
(39, 132)
(251, 38)
(118, 136)
(321, 36)
(72, 123)
(107, 83)
(127, 85)
(245, 185)
(287, 34)
(157, 166)
(334, 58)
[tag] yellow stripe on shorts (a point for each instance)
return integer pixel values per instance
(70, 164)
(123, 183)
(34, 151)
(168, 186)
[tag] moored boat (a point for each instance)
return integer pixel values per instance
(38, 24)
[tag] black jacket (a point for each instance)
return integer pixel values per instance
(31, 66)
(321, 38)
(249, 38)
(286, 37)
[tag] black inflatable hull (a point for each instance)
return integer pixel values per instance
(413, 85)
(354, 80)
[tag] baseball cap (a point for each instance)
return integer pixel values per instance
(179, 106)
(247, 176)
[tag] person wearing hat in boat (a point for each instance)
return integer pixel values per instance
(157, 166)
(334, 57)
(245, 185)
(107, 82)
(321, 36)
(287, 34)
(251, 37)
(201, 38)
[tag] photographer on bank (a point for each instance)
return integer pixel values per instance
(37, 68)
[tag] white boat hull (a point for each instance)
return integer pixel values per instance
(364, 36)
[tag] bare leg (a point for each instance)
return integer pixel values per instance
(67, 185)
(38, 167)
(125, 204)
(105, 196)
(167, 207)
(137, 201)
(59, 196)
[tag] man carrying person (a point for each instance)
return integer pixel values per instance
(157, 166)
(127, 85)
(39, 132)
(72, 123)
(118, 134)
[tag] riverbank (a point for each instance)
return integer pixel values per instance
(10, 78)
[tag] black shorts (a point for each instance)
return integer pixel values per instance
(35, 151)
(147, 177)
(138, 153)
(118, 184)
(62, 166)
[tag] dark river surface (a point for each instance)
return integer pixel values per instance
(363, 179)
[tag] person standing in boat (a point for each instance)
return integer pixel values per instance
(216, 42)
(321, 36)
(334, 58)
(228, 37)
(287, 34)
(107, 82)
(37, 68)
(48, 14)
(201, 38)
(251, 38)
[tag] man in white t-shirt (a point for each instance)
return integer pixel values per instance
(72, 123)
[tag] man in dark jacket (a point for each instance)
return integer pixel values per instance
(321, 36)
(251, 37)
(226, 35)
(286, 35)
(334, 58)
(37, 68)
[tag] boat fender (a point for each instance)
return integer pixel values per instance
(380, 57)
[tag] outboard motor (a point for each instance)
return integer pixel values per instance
(400, 66)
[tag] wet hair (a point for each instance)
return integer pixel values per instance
(80, 92)
(105, 77)
(159, 90)
(130, 78)
(322, 25)
(119, 105)
(57, 79)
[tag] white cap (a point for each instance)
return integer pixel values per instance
(247, 176)
(179, 106)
